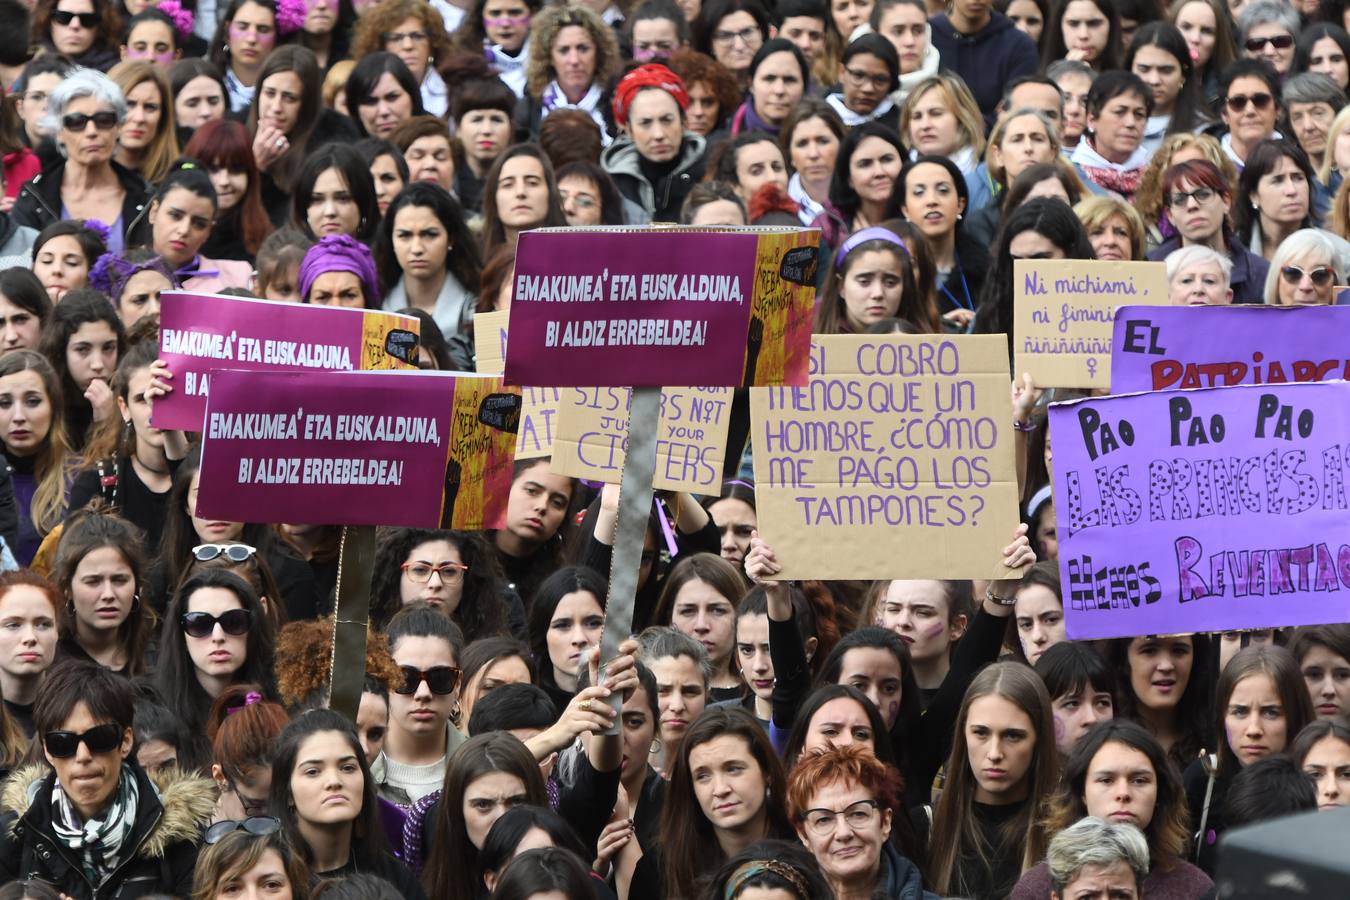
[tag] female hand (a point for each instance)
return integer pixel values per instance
(269, 145)
(1019, 552)
(101, 398)
(589, 711)
(159, 381)
(1025, 396)
(615, 835)
(961, 318)
(621, 674)
(760, 563)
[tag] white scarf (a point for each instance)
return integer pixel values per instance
(241, 95)
(554, 98)
(808, 208)
(853, 119)
(1086, 155)
(965, 159)
(510, 69)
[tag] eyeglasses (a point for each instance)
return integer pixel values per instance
(1320, 276)
(727, 38)
(398, 37)
(880, 82)
(421, 572)
(441, 679)
(259, 826)
(202, 624)
(103, 121)
(233, 552)
(99, 739)
(1182, 199)
(1278, 41)
(1238, 102)
(858, 816)
(87, 20)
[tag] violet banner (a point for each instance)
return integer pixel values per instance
(662, 307)
(1203, 510)
(1156, 348)
(358, 448)
(202, 332)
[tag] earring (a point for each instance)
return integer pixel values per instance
(656, 746)
(135, 601)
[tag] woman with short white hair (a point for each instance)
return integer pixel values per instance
(1199, 275)
(1114, 856)
(1304, 269)
(85, 113)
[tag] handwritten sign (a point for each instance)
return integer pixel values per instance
(894, 461)
(1155, 348)
(421, 449)
(1205, 510)
(1063, 312)
(660, 307)
(690, 447)
(202, 332)
(539, 412)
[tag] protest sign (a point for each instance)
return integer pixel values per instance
(358, 448)
(201, 332)
(661, 307)
(1063, 311)
(1205, 510)
(1155, 348)
(539, 411)
(894, 461)
(691, 445)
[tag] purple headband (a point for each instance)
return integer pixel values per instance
(341, 253)
(868, 234)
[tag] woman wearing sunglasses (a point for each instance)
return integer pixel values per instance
(324, 795)
(249, 857)
(215, 634)
(1249, 103)
(95, 824)
(84, 114)
(99, 571)
(1304, 270)
(244, 561)
(84, 31)
(1266, 32)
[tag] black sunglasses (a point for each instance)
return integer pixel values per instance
(201, 624)
(62, 17)
(259, 826)
(103, 121)
(233, 552)
(99, 739)
(441, 679)
(1278, 41)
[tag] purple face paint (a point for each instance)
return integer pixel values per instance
(934, 631)
(506, 21)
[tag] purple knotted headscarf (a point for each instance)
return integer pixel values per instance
(341, 253)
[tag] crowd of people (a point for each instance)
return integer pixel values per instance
(165, 729)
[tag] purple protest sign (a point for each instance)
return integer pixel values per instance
(1204, 510)
(1156, 348)
(201, 332)
(422, 449)
(662, 307)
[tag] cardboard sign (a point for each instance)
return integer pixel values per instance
(1155, 348)
(1063, 312)
(895, 461)
(691, 445)
(539, 413)
(1207, 510)
(420, 449)
(660, 307)
(202, 332)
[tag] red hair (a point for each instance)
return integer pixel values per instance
(224, 143)
(854, 764)
(243, 728)
(1198, 172)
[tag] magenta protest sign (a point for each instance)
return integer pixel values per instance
(1156, 348)
(201, 332)
(662, 307)
(424, 449)
(1204, 510)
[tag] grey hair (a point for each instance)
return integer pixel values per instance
(1095, 842)
(661, 641)
(1267, 12)
(82, 83)
(1301, 243)
(1061, 67)
(1184, 258)
(1314, 87)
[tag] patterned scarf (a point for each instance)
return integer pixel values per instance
(98, 842)
(1122, 178)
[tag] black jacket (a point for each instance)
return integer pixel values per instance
(332, 127)
(170, 816)
(39, 203)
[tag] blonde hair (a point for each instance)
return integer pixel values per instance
(544, 28)
(997, 170)
(1338, 124)
(1094, 212)
(163, 150)
(959, 101)
(335, 82)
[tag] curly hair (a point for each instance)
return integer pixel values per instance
(1150, 199)
(387, 16)
(694, 67)
(303, 655)
(544, 30)
(481, 611)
